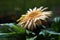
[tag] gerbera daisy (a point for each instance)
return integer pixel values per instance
(34, 17)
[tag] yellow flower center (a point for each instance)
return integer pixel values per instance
(35, 14)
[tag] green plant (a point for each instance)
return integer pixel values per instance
(11, 31)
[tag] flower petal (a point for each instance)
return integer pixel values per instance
(47, 13)
(30, 24)
(26, 24)
(44, 8)
(30, 10)
(39, 9)
(43, 17)
(35, 9)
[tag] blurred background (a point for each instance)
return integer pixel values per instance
(11, 10)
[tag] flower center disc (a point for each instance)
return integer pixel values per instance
(35, 14)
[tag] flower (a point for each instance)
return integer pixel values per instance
(34, 17)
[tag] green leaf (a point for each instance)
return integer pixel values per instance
(7, 34)
(56, 19)
(18, 29)
(15, 32)
(56, 24)
(13, 27)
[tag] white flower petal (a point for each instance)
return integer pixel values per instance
(26, 24)
(44, 8)
(20, 23)
(36, 19)
(30, 10)
(43, 17)
(48, 13)
(34, 24)
(29, 24)
(40, 8)
(35, 9)
(23, 15)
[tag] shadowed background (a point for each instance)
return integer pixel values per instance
(11, 10)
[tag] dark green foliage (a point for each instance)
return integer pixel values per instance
(11, 31)
(56, 24)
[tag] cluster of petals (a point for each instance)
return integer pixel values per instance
(33, 17)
